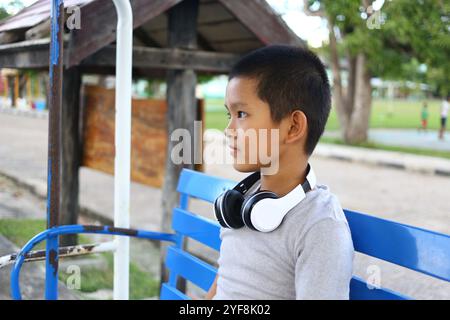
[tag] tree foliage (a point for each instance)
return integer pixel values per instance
(411, 43)
(5, 5)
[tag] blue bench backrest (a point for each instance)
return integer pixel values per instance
(421, 250)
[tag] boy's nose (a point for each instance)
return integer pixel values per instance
(230, 131)
(230, 135)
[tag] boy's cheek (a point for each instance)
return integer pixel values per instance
(255, 147)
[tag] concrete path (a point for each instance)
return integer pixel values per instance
(406, 138)
(382, 158)
(18, 202)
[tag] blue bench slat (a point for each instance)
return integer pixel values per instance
(196, 227)
(202, 186)
(360, 291)
(191, 268)
(411, 247)
(171, 293)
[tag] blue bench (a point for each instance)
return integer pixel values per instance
(421, 250)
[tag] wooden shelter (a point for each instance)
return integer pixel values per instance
(175, 40)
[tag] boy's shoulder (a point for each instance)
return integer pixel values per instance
(319, 204)
(319, 198)
(319, 218)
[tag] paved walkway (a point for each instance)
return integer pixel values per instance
(383, 191)
(382, 158)
(406, 138)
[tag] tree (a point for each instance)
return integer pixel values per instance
(387, 43)
(3, 13)
(7, 8)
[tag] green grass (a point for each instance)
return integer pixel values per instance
(397, 114)
(19, 231)
(400, 114)
(141, 284)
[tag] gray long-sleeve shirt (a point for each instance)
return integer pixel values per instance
(309, 256)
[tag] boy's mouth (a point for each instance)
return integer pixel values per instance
(233, 150)
(232, 147)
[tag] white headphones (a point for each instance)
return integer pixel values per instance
(263, 211)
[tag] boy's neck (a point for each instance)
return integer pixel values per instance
(286, 179)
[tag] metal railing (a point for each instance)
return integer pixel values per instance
(121, 244)
(57, 231)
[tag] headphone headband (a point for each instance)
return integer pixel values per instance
(249, 181)
(310, 181)
(299, 192)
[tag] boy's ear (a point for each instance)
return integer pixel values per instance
(298, 126)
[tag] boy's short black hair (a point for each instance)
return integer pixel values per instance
(290, 78)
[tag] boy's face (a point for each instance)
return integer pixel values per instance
(249, 119)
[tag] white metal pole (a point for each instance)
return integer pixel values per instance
(124, 51)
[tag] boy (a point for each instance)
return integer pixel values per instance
(309, 256)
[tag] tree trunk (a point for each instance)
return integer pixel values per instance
(357, 130)
(338, 98)
(350, 92)
(353, 104)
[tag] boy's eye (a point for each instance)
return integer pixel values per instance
(241, 114)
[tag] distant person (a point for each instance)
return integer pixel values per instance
(444, 112)
(424, 116)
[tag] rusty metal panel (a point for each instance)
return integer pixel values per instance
(148, 135)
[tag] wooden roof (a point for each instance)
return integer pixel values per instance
(228, 26)
(34, 14)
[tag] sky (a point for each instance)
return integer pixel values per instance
(311, 29)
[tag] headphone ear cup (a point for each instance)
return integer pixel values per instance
(217, 211)
(249, 203)
(228, 209)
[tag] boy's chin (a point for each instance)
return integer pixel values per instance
(245, 167)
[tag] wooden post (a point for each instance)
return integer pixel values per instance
(5, 88)
(182, 106)
(54, 147)
(46, 85)
(28, 89)
(37, 87)
(11, 85)
(71, 151)
(16, 90)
